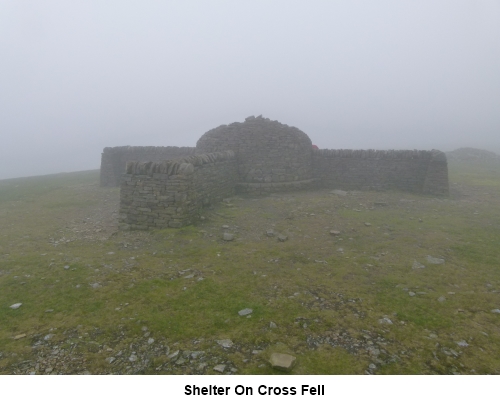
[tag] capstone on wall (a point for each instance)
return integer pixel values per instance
(113, 160)
(172, 193)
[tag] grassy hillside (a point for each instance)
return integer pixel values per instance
(98, 300)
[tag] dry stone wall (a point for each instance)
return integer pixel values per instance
(415, 171)
(171, 193)
(113, 160)
(266, 151)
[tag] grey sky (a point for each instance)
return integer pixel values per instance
(76, 76)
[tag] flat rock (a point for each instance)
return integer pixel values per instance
(226, 343)
(416, 265)
(339, 192)
(411, 294)
(495, 311)
(220, 368)
(15, 306)
(270, 232)
(228, 236)
(334, 232)
(17, 337)
(368, 224)
(434, 260)
(282, 238)
(282, 361)
(246, 311)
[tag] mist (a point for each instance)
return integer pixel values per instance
(82, 75)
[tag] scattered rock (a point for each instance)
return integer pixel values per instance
(416, 265)
(462, 343)
(95, 285)
(17, 337)
(272, 325)
(49, 310)
(282, 238)
(49, 336)
(225, 343)
(334, 232)
(441, 299)
(385, 321)
(434, 260)
(15, 306)
(246, 311)
(228, 236)
(282, 361)
(411, 294)
(270, 232)
(66, 267)
(110, 359)
(220, 368)
(151, 341)
(339, 192)
(368, 224)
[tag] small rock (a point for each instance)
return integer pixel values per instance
(380, 203)
(49, 310)
(334, 232)
(496, 311)
(433, 336)
(111, 253)
(133, 357)
(339, 192)
(416, 265)
(385, 321)
(246, 311)
(282, 238)
(174, 355)
(151, 341)
(462, 343)
(272, 325)
(340, 250)
(228, 236)
(368, 224)
(110, 359)
(225, 343)
(441, 299)
(49, 336)
(220, 368)
(270, 232)
(95, 285)
(66, 267)
(434, 260)
(372, 366)
(15, 306)
(17, 337)
(225, 226)
(282, 361)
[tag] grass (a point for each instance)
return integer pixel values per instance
(60, 250)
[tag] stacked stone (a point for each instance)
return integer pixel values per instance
(171, 193)
(415, 171)
(113, 160)
(267, 152)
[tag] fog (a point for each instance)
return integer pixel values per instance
(77, 76)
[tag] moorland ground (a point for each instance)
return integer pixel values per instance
(364, 299)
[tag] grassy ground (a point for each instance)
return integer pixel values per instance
(98, 300)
